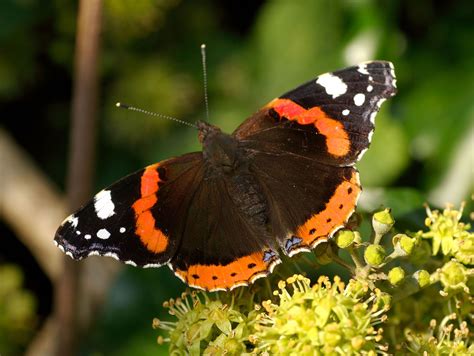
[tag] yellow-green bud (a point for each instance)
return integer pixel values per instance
(396, 276)
(345, 238)
(422, 277)
(404, 242)
(374, 255)
(382, 222)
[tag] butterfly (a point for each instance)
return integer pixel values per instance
(282, 182)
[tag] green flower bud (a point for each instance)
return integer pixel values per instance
(453, 276)
(422, 277)
(404, 242)
(375, 255)
(396, 276)
(345, 238)
(382, 222)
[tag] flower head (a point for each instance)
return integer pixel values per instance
(205, 325)
(322, 318)
(448, 232)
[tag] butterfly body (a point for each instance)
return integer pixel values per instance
(282, 182)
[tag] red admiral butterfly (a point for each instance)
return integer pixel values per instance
(284, 180)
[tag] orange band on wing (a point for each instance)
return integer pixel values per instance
(337, 141)
(151, 237)
(337, 211)
(239, 272)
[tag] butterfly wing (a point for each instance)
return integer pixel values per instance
(227, 242)
(173, 212)
(138, 219)
(329, 119)
(303, 146)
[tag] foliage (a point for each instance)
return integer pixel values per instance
(431, 308)
(17, 311)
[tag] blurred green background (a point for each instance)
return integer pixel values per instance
(422, 148)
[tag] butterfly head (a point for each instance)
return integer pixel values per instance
(219, 149)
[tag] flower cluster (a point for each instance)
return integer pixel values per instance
(207, 325)
(326, 318)
(403, 272)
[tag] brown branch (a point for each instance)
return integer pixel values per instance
(30, 204)
(81, 164)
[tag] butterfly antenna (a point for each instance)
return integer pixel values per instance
(204, 73)
(133, 108)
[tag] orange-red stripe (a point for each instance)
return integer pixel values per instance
(337, 140)
(212, 277)
(151, 237)
(337, 211)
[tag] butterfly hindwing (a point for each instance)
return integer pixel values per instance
(226, 242)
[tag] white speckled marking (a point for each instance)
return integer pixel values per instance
(371, 133)
(334, 85)
(361, 154)
(372, 117)
(113, 255)
(370, 88)
(131, 263)
(78, 232)
(103, 204)
(363, 69)
(345, 112)
(69, 253)
(122, 230)
(103, 234)
(87, 236)
(359, 99)
(380, 102)
(73, 220)
(371, 79)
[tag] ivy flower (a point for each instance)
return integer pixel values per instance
(449, 233)
(326, 318)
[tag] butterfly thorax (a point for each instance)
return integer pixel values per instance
(220, 150)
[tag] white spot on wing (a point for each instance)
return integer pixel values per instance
(73, 220)
(152, 265)
(334, 85)
(111, 254)
(372, 117)
(359, 99)
(363, 69)
(371, 133)
(87, 236)
(122, 230)
(345, 112)
(103, 205)
(380, 102)
(103, 234)
(78, 232)
(131, 263)
(370, 88)
(361, 154)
